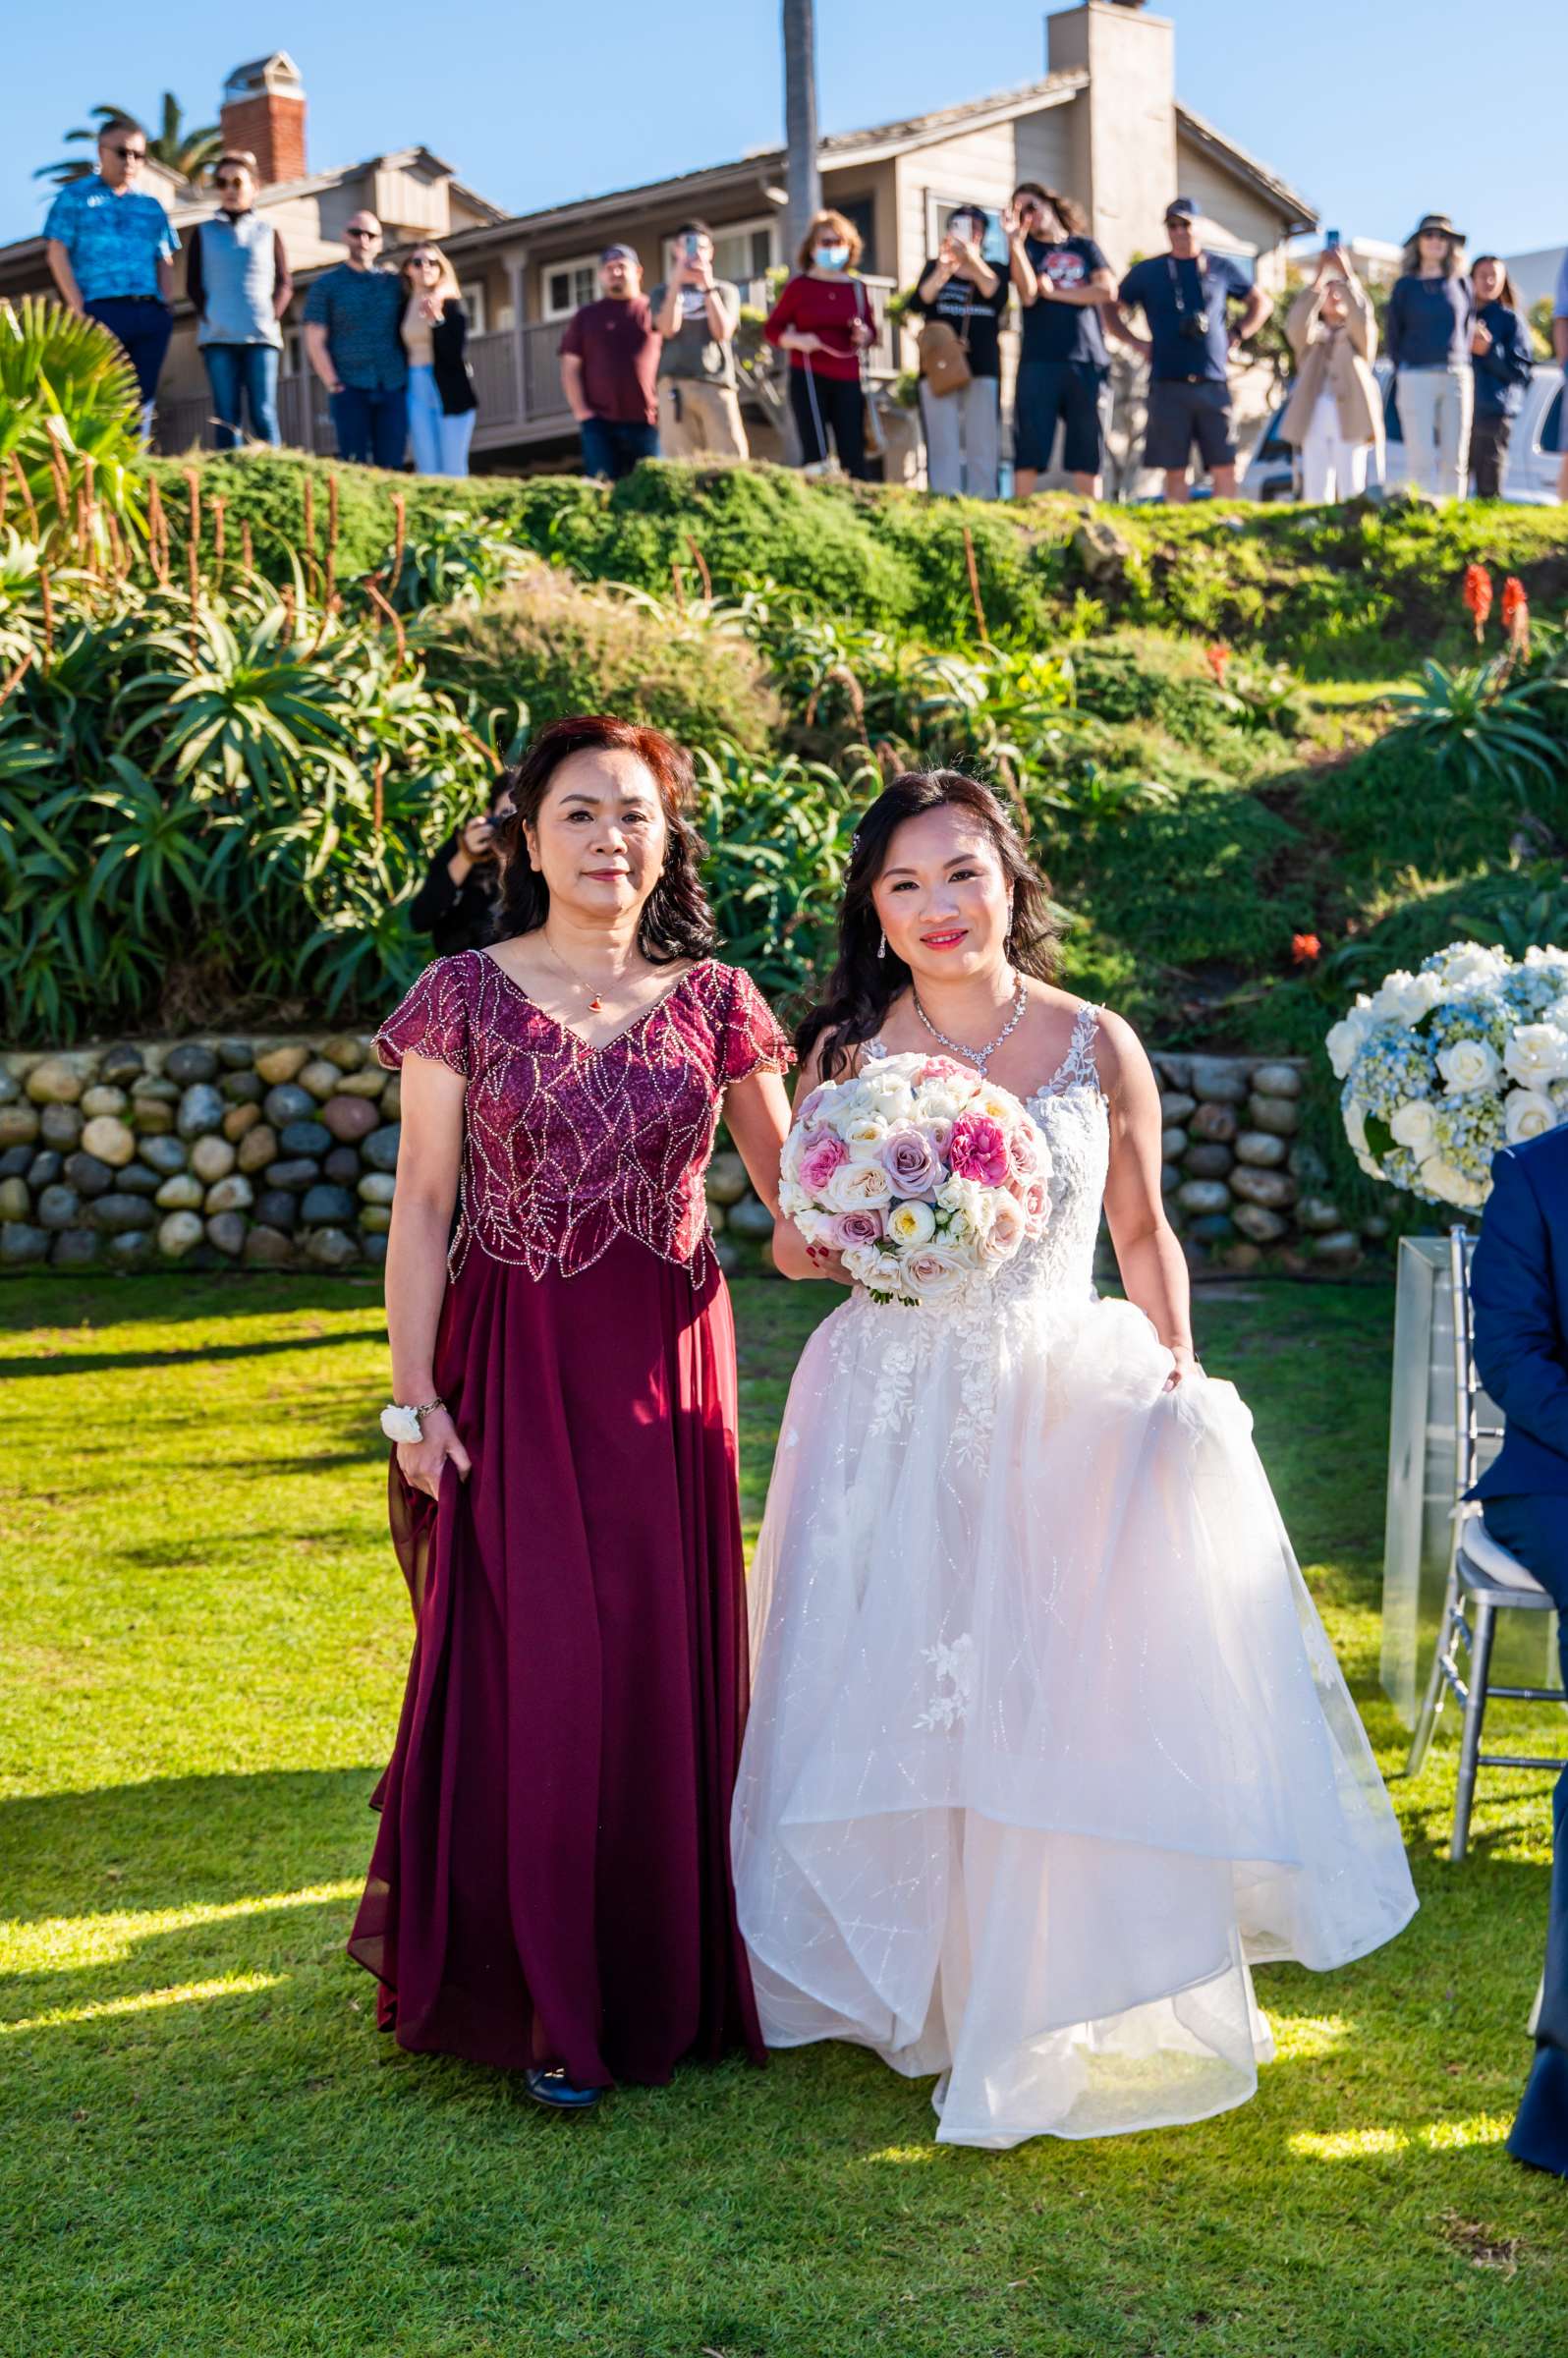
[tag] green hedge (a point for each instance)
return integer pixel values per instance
(1358, 591)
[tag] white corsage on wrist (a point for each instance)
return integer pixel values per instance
(403, 1424)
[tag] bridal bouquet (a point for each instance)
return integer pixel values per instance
(923, 1176)
(1444, 1066)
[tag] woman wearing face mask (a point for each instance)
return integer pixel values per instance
(1502, 361)
(1047, 1746)
(824, 319)
(1335, 415)
(1426, 337)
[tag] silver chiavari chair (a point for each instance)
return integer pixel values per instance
(1483, 1580)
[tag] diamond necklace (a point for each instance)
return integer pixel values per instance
(976, 1056)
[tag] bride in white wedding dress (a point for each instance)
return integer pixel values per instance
(1048, 1745)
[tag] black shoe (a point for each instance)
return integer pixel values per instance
(555, 2091)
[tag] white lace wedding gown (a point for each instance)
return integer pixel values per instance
(1048, 1744)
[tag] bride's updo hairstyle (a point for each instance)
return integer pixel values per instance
(676, 920)
(862, 986)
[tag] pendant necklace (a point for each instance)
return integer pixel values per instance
(980, 1057)
(595, 1004)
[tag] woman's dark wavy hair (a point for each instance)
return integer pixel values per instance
(676, 920)
(862, 986)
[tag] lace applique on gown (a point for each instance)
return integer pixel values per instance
(1048, 1744)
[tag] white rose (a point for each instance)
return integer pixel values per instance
(867, 1266)
(792, 1199)
(887, 1094)
(1345, 1039)
(857, 1187)
(1404, 998)
(934, 1274)
(1450, 1184)
(1466, 1064)
(974, 1204)
(941, 1102)
(1528, 1113)
(1538, 1052)
(1468, 967)
(816, 1226)
(1414, 1125)
(858, 1127)
(911, 1223)
(1355, 1114)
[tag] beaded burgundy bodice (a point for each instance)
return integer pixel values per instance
(566, 1146)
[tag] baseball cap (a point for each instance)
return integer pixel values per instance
(618, 254)
(1181, 208)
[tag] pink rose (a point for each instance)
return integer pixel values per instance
(808, 1105)
(1023, 1151)
(1036, 1204)
(821, 1160)
(911, 1162)
(940, 1068)
(978, 1149)
(857, 1228)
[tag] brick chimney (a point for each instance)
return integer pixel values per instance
(263, 109)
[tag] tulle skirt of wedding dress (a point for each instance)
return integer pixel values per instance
(1048, 1743)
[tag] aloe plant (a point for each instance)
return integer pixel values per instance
(1480, 723)
(70, 430)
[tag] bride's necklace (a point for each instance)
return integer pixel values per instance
(596, 1003)
(976, 1056)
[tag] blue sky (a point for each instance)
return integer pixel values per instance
(1375, 109)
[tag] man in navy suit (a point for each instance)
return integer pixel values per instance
(1519, 1293)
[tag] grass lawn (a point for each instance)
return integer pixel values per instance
(207, 2148)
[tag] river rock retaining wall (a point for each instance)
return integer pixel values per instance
(280, 1153)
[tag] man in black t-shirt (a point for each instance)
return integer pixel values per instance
(1062, 278)
(963, 426)
(1184, 296)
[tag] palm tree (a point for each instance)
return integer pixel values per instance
(802, 179)
(186, 152)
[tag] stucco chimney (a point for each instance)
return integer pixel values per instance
(1122, 131)
(263, 109)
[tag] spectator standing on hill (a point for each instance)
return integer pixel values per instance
(1559, 345)
(1426, 337)
(352, 317)
(961, 367)
(1062, 279)
(1184, 296)
(1335, 414)
(110, 251)
(1502, 361)
(696, 314)
(456, 902)
(442, 402)
(824, 319)
(237, 276)
(609, 369)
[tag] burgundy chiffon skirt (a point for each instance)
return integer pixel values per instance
(550, 1881)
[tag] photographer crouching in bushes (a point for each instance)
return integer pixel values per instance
(457, 902)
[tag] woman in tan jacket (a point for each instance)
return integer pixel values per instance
(1335, 415)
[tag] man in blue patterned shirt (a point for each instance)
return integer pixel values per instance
(111, 252)
(353, 341)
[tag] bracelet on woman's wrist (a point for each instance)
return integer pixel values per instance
(401, 1422)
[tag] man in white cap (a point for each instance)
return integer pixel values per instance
(609, 369)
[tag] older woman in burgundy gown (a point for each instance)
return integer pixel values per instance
(550, 1887)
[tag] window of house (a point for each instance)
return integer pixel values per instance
(568, 285)
(861, 213)
(473, 297)
(743, 250)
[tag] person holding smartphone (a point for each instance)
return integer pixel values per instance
(695, 314)
(1335, 414)
(456, 905)
(960, 289)
(1062, 279)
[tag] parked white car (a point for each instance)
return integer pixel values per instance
(1271, 468)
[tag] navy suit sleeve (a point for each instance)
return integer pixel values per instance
(1521, 1350)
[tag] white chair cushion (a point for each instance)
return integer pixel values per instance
(1491, 1558)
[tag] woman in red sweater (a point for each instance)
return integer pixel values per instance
(824, 319)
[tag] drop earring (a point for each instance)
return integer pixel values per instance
(881, 943)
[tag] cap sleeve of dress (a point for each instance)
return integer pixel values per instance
(754, 1041)
(432, 1021)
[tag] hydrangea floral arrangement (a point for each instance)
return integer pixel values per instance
(1444, 1066)
(925, 1178)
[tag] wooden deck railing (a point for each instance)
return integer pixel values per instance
(517, 376)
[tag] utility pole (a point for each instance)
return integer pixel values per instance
(803, 180)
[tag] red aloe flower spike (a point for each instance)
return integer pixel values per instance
(1217, 657)
(1516, 614)
(1305, 947)
(1477, 597)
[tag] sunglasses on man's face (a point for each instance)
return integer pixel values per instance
(369, 235)
(133, 156)
(228, 180)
